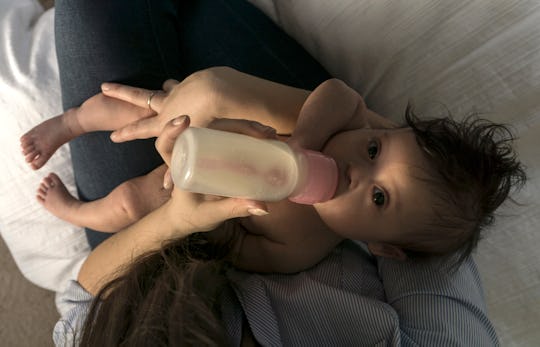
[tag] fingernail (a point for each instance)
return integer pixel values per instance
(166, 184)
(179, 120)
(114, 135)
(105, 86)
(167, 181)
(257, 212)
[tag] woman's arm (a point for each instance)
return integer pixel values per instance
(237, 95)
(106, 261)
(184, 214)
(219, 92)
(435, 305)
(222, 92)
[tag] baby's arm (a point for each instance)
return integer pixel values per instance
(331, 108)
(291, 238)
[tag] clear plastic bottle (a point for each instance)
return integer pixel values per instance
(222, 163)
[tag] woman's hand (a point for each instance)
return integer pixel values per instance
(190, 212)
(195, 91)
(207, 95)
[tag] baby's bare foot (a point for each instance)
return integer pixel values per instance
(54, 196)
(40, 143)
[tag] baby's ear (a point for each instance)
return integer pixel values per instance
(387, 250)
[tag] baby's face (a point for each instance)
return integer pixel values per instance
(378, 197)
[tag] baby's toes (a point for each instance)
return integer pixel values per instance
(26, 139)
(38, 161)
(28, 147)
(54, 180)
(40, 197)
(29, 150)
(42, 192)
(49, 181)
(32, 155)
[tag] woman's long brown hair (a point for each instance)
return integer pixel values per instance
(165, 298)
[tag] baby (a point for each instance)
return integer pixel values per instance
(424, 189)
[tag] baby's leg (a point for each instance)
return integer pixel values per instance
(125, 205)
(97, 113)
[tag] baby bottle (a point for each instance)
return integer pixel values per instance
(222, 163)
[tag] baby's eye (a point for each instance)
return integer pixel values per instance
(373, 149)
(378, 197)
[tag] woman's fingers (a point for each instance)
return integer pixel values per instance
(167, 179)
(141, 129)
(205, 215)
(141, 97)
(167, 138)
(243, 126)
(228, 208)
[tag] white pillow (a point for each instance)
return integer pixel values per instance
(470, 56)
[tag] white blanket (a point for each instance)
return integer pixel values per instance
(48, 251)
(466, 54)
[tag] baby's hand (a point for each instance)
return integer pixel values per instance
(329, 109)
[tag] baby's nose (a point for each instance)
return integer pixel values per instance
(356, 174)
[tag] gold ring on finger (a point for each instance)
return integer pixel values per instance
(149, 100)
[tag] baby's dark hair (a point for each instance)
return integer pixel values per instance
(474, 169)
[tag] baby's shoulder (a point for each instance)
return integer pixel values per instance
(285, 218)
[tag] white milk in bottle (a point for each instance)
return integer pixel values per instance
(222, 163)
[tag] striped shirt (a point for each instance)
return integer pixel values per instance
(349, 299)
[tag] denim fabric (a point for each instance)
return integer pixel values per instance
(144, 42)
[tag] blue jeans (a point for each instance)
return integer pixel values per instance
(143, 43)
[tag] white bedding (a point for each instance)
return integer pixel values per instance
(466, 54)
(47, 250)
